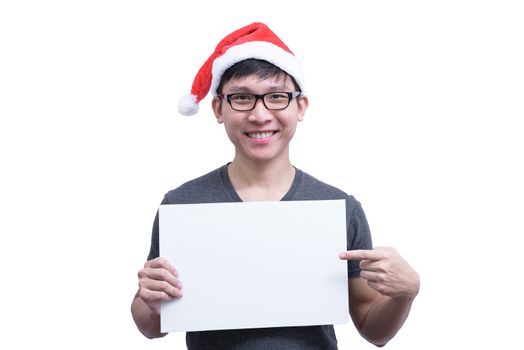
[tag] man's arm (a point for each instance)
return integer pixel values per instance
(380, 299)
(147, 320)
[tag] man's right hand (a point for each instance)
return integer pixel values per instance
(158, 281)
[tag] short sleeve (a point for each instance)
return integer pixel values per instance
(358, 235)
(154, 250)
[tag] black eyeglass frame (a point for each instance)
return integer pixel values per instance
(290, 96)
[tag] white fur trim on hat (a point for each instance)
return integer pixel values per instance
(262, 50)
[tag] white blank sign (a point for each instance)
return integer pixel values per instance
(255, 264)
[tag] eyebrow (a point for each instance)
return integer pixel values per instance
(240, 89)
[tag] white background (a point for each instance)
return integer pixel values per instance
(414, 109)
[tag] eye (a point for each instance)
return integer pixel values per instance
(242, 98)
(277, 96)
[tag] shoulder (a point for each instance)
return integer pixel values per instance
(311, 188)
(206, 188)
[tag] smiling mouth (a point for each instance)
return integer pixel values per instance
(261, 135)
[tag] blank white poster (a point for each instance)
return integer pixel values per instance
(255, 264)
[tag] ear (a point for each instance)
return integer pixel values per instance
(303, 103)
(216, 105)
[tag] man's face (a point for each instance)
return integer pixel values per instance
(260, 134)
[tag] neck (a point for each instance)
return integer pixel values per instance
(269, 180)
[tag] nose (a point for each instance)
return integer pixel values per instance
(260, 114)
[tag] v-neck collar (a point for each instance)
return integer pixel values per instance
(236, 198)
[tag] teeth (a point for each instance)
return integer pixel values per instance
(260, 135)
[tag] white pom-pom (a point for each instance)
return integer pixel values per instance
(188, 105)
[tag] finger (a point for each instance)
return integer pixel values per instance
(159, 274)
(374, 285)
(157, 287)
(372, 276)
(370, 265)
(153, 296)
(366, 275)
(161, 262)
(361, 254)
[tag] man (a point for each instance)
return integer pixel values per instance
(258, 93)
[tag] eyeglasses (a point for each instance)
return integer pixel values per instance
(273, 101)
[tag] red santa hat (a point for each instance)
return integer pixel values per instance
(252, 41)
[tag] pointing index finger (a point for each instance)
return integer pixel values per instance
(360, 254)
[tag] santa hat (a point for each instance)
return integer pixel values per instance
(252, 41)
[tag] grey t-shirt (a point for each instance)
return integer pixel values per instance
(216, 187)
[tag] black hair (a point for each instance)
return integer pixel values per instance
(262, 69)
